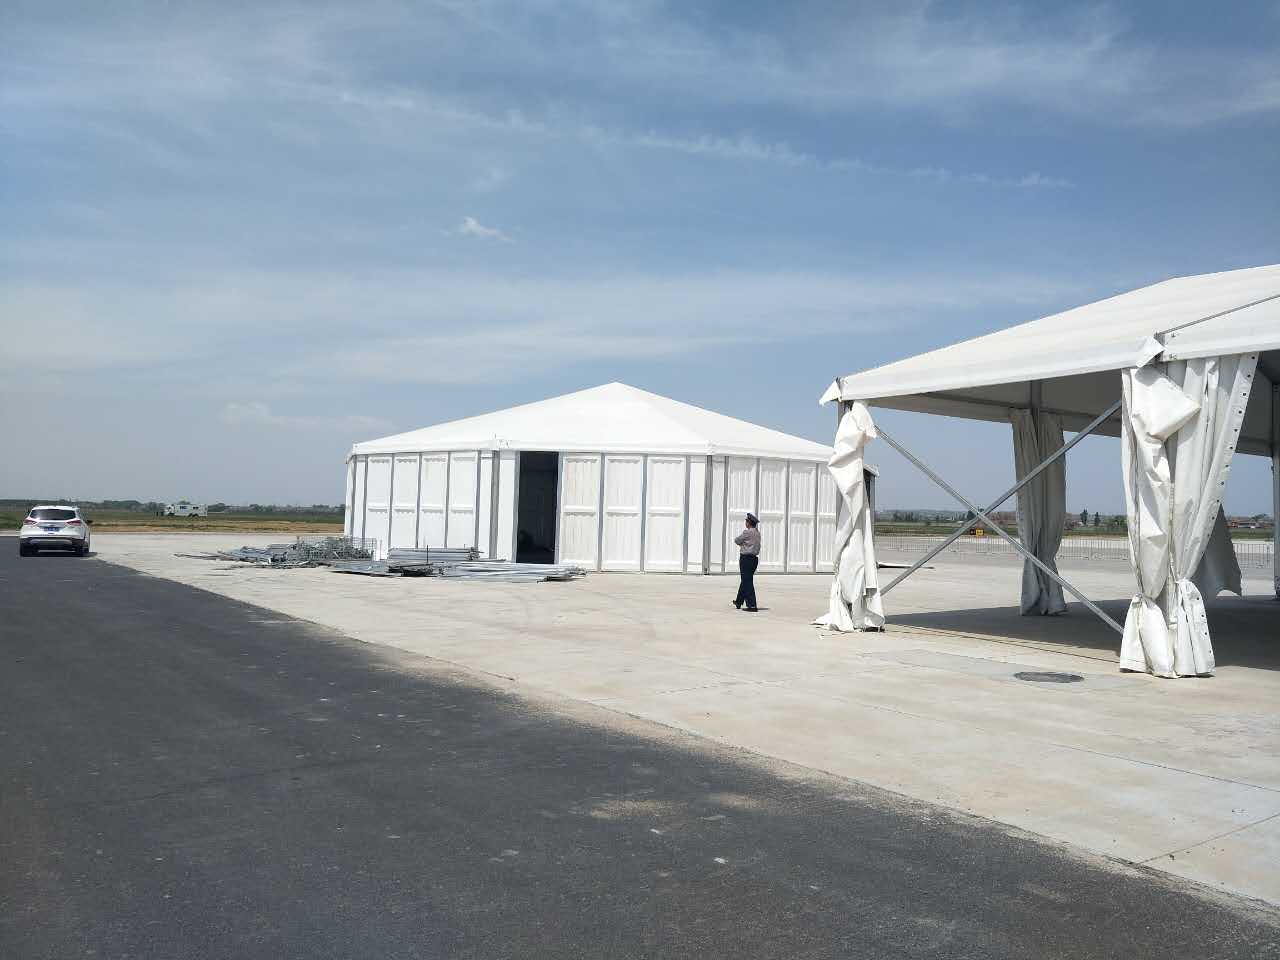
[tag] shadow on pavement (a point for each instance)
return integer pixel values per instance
(1246, 630)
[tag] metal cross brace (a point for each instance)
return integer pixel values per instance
(995, 504)
(1000, 531)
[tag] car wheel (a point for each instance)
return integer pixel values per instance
(23, 549)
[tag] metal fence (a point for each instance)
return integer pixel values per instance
(1250, 553)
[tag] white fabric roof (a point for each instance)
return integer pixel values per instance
(1076, 353)
(613, 418)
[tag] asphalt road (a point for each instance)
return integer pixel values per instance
(182, 775)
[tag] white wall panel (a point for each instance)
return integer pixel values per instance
(377, 507)
(579, 536)
(486, 502)
(623, 491)
(801, 503)
(717, 514)
(357, 498)
(347, 499)
(741, 501)
(508, 484)
(616, 512)
(829, 507)
(664, 530)
(463, 487)
(404, 500)
(431, 506)
(772, 514)
(697, 514)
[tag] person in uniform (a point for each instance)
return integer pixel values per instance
(748, 542)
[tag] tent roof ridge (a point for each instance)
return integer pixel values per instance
(1215, 316)
(610, 417)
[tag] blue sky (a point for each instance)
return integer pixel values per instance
(235, 238)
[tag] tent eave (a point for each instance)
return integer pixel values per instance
(375, 448)
(865, 386)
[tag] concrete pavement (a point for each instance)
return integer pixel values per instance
(185, 776)
(1182, 776)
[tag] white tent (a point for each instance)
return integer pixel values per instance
(612, 478)
(1186, 371)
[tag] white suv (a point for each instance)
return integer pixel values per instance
(54, 525)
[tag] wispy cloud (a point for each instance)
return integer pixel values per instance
(1033, 180)
(256, 413)
(489, 179)
(276, 57)
(469, 326)
(1091, 67)
(748, 148)
(471, 227)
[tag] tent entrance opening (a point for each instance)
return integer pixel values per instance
(536, 507)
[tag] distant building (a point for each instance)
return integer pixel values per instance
(611, 478)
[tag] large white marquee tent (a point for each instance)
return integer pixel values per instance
(1186, 372)
(611, 478)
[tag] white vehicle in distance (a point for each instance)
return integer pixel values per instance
(184, 509)
(54, 525)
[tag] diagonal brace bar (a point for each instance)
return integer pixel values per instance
(995, 504)
(1000, 531)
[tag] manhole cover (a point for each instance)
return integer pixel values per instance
(1049, 677)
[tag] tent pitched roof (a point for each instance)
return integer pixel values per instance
(613, 418)
(1074, 355)
(1215, 313)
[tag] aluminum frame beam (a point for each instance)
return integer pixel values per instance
(999, 531)
(995, 504)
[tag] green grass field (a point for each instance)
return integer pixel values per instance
(123, 521)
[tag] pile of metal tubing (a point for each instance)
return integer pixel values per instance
(460, 563)
(506, 571)
(353, 555)
(303, 552)
(400, 562)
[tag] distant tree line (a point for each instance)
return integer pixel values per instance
(1115, 523)
(276, 508)
(155, 507)
(1007, 519)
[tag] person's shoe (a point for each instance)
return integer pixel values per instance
(753, 609)
(737, 606)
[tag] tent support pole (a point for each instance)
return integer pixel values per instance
(1000, 531)
(709, 472)
(1275, 486)
(495, 486)
(1044, 465)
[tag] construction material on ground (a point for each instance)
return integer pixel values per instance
(436, 554)
(458, 565)
(303, 552)
(353, 555)
(368, 568)
(507, 571)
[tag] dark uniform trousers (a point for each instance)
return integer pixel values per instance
(747, 588)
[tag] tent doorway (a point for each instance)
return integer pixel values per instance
(537, 507)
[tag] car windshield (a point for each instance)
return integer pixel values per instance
(52, 513)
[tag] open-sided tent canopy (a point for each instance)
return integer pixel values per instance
(1214, 338)
(613, 478)
(1075, 354)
